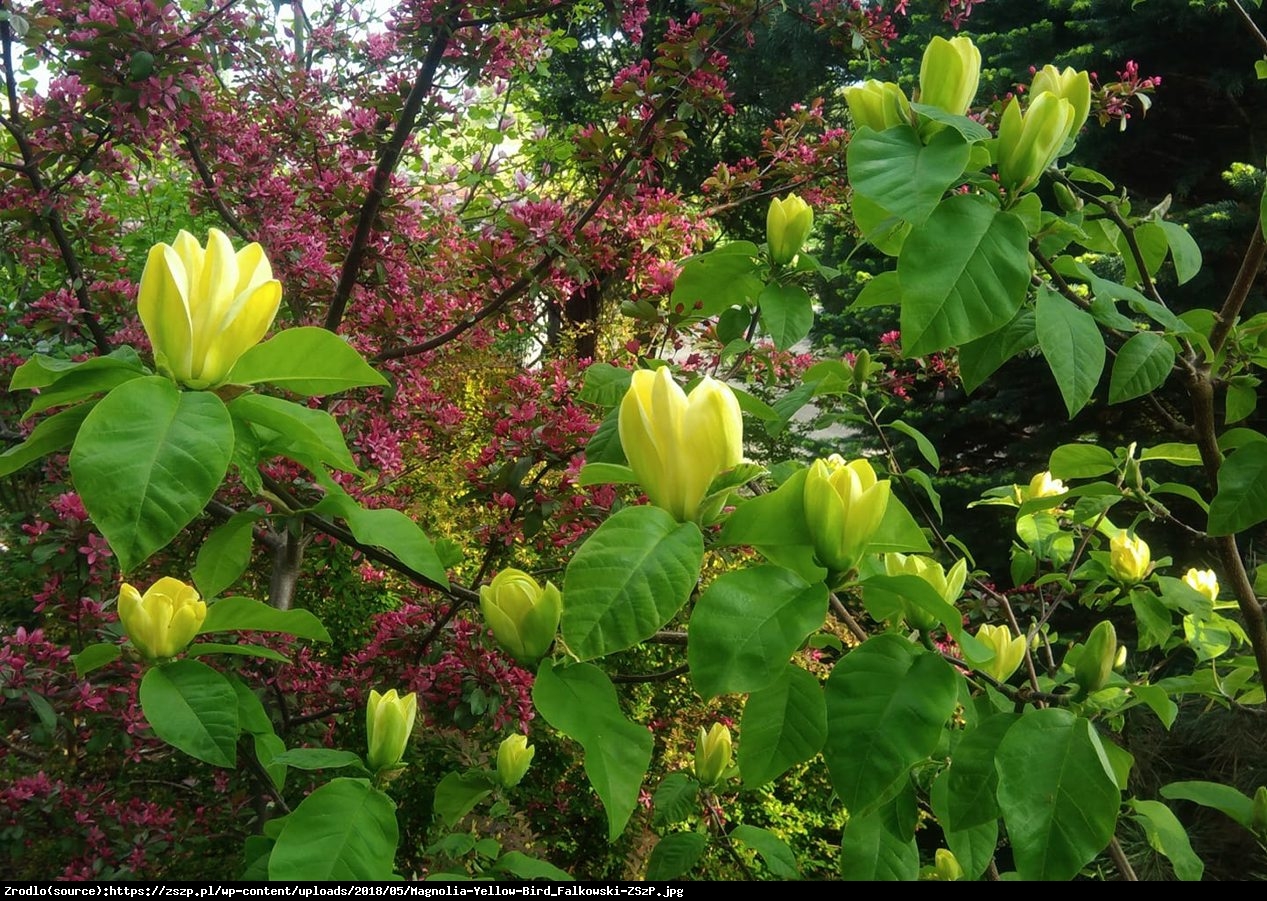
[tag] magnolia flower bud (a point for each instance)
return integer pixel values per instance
(787, 225)
(712, 754)
(1029, 142)
(523, 615)
(877, 104)
(677, 445)
(1098, 656)
(163, 621)
(948, 74)
(1258, 813)
(1072, 85)
(946, 865)
(1129, 557)
(204, 307)
(513, 757)
(389, 719)
(844, 506)
(1008, 652)
(947, 584)
(1203, 581)
(1043, 485)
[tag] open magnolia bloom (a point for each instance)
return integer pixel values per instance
(161, 622)
(203, 307)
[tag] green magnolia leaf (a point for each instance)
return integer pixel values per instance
(887, 701)
(1141, 367)
(252, 717)
(1242, 498)
(1184, 252)
(1150, 238)
(675, 855)
(604, 444)
(605, 384)
(1241, 399)
(1073, 346)
(225, 555)
(746, 626)
(973, 846)
(778, 857)
(899, 532)
(300, 433)
(1080, 461)
(147, 459)
(783, 725)
(458, 793)
(896, 171)
(605, 474)
(1167, 836)
(964, 274)
(42, 372)
(880, 291)
(80, 384)
(344, 831)
(194, 709)
(719, 279)
(980, 359)
(675, 799)
(53, 434)
(267, 746)
(95, 656)
(517, 863)
(580, 702)
(1220, 797)
(210, 648)
(777, 518)
(1057, 794)
(318, 759)
(972, 778)
(306, 360)
(787, 313)
(925, 447)
(249, 615)
(970, 130)
(629, 578)
(873, 849)
(389, 529)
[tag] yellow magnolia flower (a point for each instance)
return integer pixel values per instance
(513, 757)
(1029, 142)
(1008, 652)
(948, 74)
(712, 754)
(946, 865)
(163, 621)
(844, 506)
(677, 445)
(877, 104)
(1069, 83)
(389, 718)
(523, 615)
(1043, 485)
(787, 225)
(1204, 581)
(1129, 557)
(948, 584)
(204, 307)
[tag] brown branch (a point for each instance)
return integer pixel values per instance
(1249, 23)
(83, 161)
(387, 163)
(635, 678)
(515, 17)
(1245, 277)
(213, 192)
(202, 25)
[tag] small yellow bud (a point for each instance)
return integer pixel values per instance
(712, 754)
(1043, 485)
(1203, 581)
(1008, 652)
(877, 105)
(1098, 656)
(677, 445)
(389, 719)
(523, 615)
(1071, 84)
(513, 757)
(1129, 557)
(204, 307)
(946, 865)
(844, 506)
(163, 621)
(948, 74)
(787, 224)
(947, 584)
(1029, 142)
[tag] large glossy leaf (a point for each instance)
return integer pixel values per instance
(53, 434)
(896, 171)
(874, 849)
(194, 708)
(389, 529)
(249, 615)
(1073, 346)
(719, 279)
(306, 360)
(1184, 251)
(973, 779)
(1167, 836)
(675, 855)
(783, 725)
(787, 312)
(345, 831)
(1242, 498)
(777, 518)
(746, 626)
(225, 555)
(605, 384)
(580, 702)
(146, 461)
(458, 793)
(963, 273)
(1057, 793)
(979, 359)
(887, 701)
(1142, 365)
(973, 846)
(774, 851)
(1220, 797)
(628, 579)
(41, 371)
(295, 431)
(80, 384)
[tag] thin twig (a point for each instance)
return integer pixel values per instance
(636, 678)
(213, 191)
